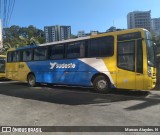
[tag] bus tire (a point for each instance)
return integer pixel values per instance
(31, 80)
(101, 84)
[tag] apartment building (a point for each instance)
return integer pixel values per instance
(155, 23)
(139, 19)
(57, 33)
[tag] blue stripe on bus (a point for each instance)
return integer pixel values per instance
(69, 72)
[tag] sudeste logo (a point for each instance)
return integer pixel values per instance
(64, 65)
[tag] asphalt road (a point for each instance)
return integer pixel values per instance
(73, 106)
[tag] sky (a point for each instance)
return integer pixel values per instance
(84, 15)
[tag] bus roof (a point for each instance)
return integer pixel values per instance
(83, 38)
(94, 36)
(66, 41)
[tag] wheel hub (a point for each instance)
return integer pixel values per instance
(102, 84)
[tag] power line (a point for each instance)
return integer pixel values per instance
(6, 10)
(11, 11)
(4, 13)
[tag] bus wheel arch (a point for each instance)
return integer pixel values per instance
(31, 79)
(101, 83)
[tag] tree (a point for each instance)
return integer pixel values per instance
(17, 36)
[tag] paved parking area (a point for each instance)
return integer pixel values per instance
(72, 106)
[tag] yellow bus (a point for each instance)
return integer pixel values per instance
(2, 66)
(121, 59)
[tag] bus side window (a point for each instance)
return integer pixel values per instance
(126, 55)
(57, 52)
(86, 45)
(93, 48)
(76, 50)
(16, 56)
(40, 53)
(139, 64)
(101, 47)
(27, 55)
(9, 57)
(106, 46)
(82, 50)
(73, 50)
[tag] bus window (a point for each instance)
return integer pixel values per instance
(27, 55)
(9, 57)
(129, 36)
(126, 54)
(16, 56)
(94, 48)
(82, 49)
(40, 53)
(76, 50)
(139, 68)
(73, 50)
(101, 47)
(57, 52)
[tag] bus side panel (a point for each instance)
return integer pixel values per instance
(69, 72)
(2, 75)
(12, 70)
(110, 63)
(23, 71)
(17, 71)
(105, 66)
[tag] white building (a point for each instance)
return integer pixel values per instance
(64, 32)
(155, 23)
(94, 32)
(139, 19)
(57, 33)
(81, 33)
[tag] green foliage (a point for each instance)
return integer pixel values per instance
(17, 36)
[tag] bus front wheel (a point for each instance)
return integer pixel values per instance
(31, 80)
(101, 84)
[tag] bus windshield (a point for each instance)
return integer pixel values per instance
(150, 50)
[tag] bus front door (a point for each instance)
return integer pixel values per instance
(130, 65)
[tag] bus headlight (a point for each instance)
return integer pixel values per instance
(149, 71)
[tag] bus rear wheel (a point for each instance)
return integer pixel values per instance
(101, 84)
(31, 80)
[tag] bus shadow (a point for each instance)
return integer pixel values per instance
(4, 79)
(133, 93)
(77, 95)
(153, 100)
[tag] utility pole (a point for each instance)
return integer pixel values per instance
(1, 39)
